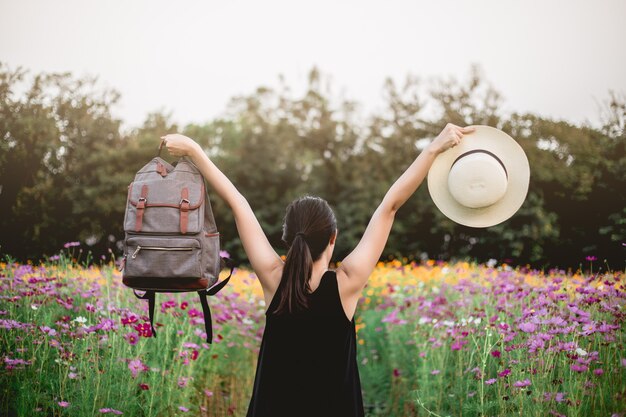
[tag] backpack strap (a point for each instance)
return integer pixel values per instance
(149, 295)
(206, 311)
(208, 325)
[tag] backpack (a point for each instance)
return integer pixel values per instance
(171, 242)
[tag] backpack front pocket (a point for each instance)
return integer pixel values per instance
(160, 257)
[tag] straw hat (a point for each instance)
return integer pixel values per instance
(482, 181)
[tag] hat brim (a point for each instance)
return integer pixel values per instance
(512, 156)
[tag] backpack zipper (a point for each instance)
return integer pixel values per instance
(139, 247)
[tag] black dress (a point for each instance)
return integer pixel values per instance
(307, 362)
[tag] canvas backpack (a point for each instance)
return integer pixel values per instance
(171, 242)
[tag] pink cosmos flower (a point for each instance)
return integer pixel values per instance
(135, 367)
(208, 393)
(495, 353)
(183, 409)
(63, 404)
(528, 327)
(598, 371)
(504, 373)
(132, 338)
(47, 330)
(393, 318)
(143, 329)
(521, 384)
(129, 320)
(110, 410)
(491, 381)
(144, 387)
(182, 381)
(435, 372)
(578, 368)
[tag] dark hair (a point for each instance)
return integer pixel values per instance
(307, 229)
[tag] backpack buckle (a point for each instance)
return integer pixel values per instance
(184, 209)
(141, 205)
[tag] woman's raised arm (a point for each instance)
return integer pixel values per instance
(360, 263)
(263, 258)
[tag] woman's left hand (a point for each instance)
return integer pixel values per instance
(179, 145)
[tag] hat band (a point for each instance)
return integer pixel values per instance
(483, 151)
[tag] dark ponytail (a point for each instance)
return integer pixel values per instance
(307, 229)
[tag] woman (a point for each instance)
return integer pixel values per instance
(307, 361)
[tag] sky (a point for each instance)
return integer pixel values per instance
(558, 59)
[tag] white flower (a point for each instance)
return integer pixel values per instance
(581, 352)
(80, 319)
(34, 307)
(423, 320)
(448, 323)
(491, 263)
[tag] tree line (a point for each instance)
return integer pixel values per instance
(65, 164)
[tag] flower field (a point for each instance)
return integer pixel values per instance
(434, 339)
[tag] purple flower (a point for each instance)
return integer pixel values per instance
(131, 338)
(528, 327)
(521, 384)
(504, 373)
(183, 409)
(598, 371)
(182, 381)
(392, 318)
(135, 367)
(578, 368)
(47, 330)
(495, 353)
(457, 345)
(491, 381)
(110, 410)
(591, 258)
(435, 372)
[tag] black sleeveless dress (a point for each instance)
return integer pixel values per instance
(307, 362)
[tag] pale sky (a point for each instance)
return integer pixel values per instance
(554, 58)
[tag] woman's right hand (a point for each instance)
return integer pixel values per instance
(449, 137)
(179, 145)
